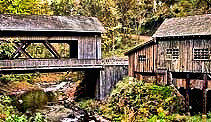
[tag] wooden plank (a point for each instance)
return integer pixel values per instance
(51, 49)
(98, 47)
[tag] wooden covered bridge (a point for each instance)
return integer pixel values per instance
(57, 44)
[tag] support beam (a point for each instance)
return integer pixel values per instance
(17, 53)
(169, 78)
(187, 93)
(205, 94)
(51, 49)
(21, 49)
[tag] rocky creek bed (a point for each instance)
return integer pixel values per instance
(56, 102)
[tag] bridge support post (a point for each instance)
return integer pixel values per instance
(187, 93)
(169, 78)
(205, 94)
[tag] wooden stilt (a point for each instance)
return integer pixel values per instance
(169, 78)
(156, 79)
(187, 90)
(205, 94)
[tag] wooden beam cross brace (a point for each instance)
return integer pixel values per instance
(20, 48)
(51, 49)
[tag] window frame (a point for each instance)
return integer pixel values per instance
(172, 55)
(142, 59)
(208, 51)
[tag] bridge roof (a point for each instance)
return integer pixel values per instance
(50, 23)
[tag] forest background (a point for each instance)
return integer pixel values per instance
(125, 21)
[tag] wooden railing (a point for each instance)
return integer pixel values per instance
(27, 63)
(33, 63)
(115, 61)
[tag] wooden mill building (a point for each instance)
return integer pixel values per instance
(82, 37)
(179, 53)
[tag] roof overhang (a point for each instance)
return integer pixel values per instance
(140, 46)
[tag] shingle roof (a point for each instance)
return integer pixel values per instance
(145, 43)
(185, 26)
(49, 23)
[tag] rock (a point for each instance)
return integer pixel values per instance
(69, 120)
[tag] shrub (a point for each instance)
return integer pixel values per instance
(137, 100)
(39, 118)
(6, 108)
(16, 118)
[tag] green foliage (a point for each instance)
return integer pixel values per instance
(143, 99)
(6, 49)
(16, 118)
(39, 118)
(136, 100)
(24, 7)
(22, 118)
(6, 108)
(90, 104)
(63, 7)
(18, 77)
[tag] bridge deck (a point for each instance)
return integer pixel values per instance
(54, 64)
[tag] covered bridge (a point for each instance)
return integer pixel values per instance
(60, 43)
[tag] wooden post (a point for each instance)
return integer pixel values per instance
(187, 91)
(205, 94)
(156, 78)
(165, 78)
(169, 78)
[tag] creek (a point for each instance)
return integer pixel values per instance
(52, 101)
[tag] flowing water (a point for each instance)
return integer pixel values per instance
(45, 101)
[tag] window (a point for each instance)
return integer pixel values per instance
(201, 54)
(172, 53)
(142, 58)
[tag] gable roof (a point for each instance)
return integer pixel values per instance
(185, 26)
(145, 43)
(50, 23)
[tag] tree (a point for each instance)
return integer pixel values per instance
(64, 7)
(38, 7)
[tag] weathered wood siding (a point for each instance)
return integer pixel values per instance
(142, 66)
(89, 47)
(185, 63)
(109, 77)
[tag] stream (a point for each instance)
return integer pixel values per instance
(52, 101)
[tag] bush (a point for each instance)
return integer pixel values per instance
(16, 118)
(136, 100)
(6, 108)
